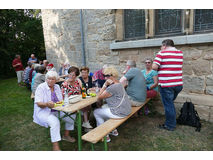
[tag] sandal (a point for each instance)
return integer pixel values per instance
(69, 139)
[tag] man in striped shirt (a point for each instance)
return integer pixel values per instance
(168, 62)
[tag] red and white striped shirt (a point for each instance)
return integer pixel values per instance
(170, 63)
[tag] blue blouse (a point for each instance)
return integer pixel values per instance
(149, 78)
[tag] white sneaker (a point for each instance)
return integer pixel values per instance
(108, 139)
(86, 125)
(114, 132)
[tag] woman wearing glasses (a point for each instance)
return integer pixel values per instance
(151, 77)
(117, 102)
(73, 86)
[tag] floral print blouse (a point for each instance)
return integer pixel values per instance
(71, 89)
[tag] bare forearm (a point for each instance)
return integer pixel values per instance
(101, 92)
(155, 66)
(45, 104)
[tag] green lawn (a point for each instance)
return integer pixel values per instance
(19, 133)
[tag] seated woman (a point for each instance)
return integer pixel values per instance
(151, 77)
(118, 105)
(73, 86)
(46, 95)
(87, 82)
(39, 78)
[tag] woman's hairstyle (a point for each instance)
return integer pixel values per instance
(111, 71)
(41, 69)
(74, 69)
(36, 66)
(51, 74)
(149, 59)
(84, 69)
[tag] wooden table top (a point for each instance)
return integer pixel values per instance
(78, 105)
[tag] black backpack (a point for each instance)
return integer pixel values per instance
(189, 116)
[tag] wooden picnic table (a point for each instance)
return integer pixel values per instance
(76, 108)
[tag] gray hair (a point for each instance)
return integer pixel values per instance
(51, 74)
(131, 63)
(149, 59)
(36, 65)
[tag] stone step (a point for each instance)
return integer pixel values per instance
(198, 99)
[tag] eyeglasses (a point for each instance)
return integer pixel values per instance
(107, 75)
(147, 62)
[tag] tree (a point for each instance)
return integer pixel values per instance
(21, 33)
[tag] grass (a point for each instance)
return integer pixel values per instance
(19, 133)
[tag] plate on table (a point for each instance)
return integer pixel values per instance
(74, 98)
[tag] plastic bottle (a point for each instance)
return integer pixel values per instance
(66, 99)
(96, 87)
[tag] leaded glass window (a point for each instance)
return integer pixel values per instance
(134, 23)
(168, 21)
(203, 20)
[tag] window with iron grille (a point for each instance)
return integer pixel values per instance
(168, 22)
(134, 23)
(203, 20)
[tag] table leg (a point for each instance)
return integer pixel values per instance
(105, 144)
(79, 130)
(92, 145)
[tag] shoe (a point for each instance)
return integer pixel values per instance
(108, 139)
(114, 133)
(146, 110)
(163, 126)
(87, 129)
(86, 125)
(69, 139)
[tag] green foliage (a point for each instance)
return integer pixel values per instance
(21, 33)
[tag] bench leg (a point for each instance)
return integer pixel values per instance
(105, 144)
(79, 130)
(92, 146)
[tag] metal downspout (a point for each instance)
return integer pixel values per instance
(82, 40)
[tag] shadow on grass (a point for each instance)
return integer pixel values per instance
(19, 133)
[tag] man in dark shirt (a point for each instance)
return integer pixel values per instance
(17, 65)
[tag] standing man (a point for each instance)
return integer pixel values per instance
(32, 59)
(168, 62)
(17, 65)
(135, 82)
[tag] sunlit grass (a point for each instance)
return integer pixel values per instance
(19, 133)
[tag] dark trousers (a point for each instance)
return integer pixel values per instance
(168, 95)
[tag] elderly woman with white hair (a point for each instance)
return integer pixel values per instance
(46, 95)
(117, 103)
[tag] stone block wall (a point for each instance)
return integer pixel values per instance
(63, 43)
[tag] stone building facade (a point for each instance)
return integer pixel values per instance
(103, 34)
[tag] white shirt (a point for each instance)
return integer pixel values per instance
(43, 94)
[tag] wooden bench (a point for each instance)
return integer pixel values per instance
(108, 126)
